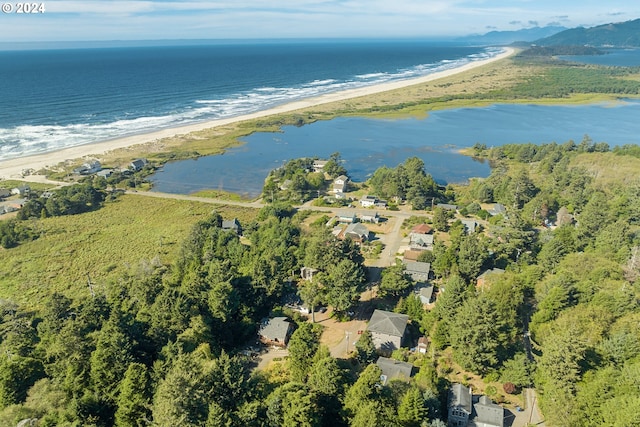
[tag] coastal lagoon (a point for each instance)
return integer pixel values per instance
(611, 57)
(366, 144)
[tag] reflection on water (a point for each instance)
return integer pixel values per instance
(366, 144)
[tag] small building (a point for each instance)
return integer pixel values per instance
(485, 278)
(365, 217)
(347, 218)
(486, 414)
(275, 331)
(424, 292)
(22, 190)
(497, 209)
(232, 225)
(459, 405)
(318, 165)
(4, 193)
(104, 173)
(388, 330)
(394, 369)
(306, 273)
(423, 345)
(88, 168)
(382, 204)
(368, 201)
(470, 225)
(422, 229)
(448, 207)
(421, 242)
(419, 271)
(356, 232)
(137, 164)
(340, 185)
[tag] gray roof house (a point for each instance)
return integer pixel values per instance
(497, 209)
(487, 414)
(388, 330)
(421, 241)
(4, 192)
(394, 369)
(232, 224)
(485, 278)
(357, 232)
(419, 271)
(470, 225)
(459, 405)
(275, 331)
(424, 292)
(137, 164)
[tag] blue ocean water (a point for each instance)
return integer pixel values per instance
(52, 99)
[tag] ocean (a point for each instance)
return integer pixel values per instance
(59, 98)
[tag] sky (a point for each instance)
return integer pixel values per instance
(88, 20)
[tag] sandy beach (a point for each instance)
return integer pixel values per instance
(13, 168)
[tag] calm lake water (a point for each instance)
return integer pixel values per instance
(612, 57)
(366, 144)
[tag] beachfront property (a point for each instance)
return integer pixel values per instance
(88, 168)
(137, 165)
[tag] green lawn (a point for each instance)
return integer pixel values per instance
(103, 244)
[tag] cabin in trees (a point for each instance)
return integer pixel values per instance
(388, 330)
(470, 225)
(484, 279)
(497, 209)
(394, 369)
(275, 331)
(463, 412)
(232, 225)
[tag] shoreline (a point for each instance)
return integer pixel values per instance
(13, 168)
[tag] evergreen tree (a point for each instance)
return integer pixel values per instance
(134, 400)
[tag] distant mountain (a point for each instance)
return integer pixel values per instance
(622, 34)
(508, 37)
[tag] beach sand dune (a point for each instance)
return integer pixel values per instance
(13, 168)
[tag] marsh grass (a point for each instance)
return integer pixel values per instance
(102, 245)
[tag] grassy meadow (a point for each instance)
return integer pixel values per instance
(104, 244)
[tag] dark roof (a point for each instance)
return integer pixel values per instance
(386, 322)
(392, 368)
(447, 206)
(275, 329)
(487, 413)
(460, 396)
(230, 224)
(491, 272)
(419, 271)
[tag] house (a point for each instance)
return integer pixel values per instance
(375, 218)
(422, 229)
(497, 209)
(137, 164)
(394, 369)
(388, 330)
(22, 190)
(368, 201)
(447, 207)
(104, 173)
(459, 405)
(382, 204)
(484, 279)
(486, 414)
(88, 168)
(423, 345)
(340, 185)
(232, 225)
(470, 225)
(347, 218)
(306, 273)
(356, 232)
(419, 271)
(424, 292)
(421, 241)
(318, 165)
(4, 193)
(275, 331)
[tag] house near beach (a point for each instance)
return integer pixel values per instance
(138, 164)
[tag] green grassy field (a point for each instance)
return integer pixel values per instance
(104, 244)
